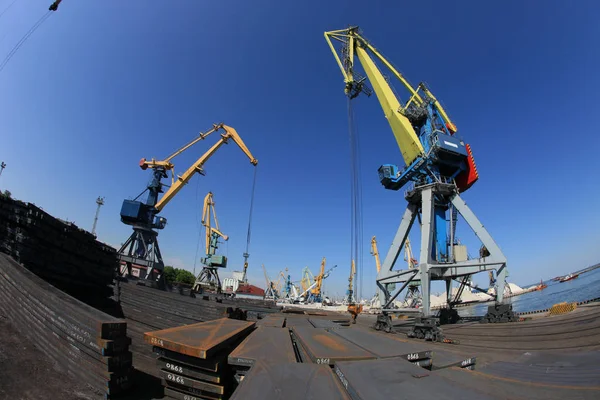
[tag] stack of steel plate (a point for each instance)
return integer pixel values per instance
(84, 342)
(265, 345)
(191, 357)
(68, 257)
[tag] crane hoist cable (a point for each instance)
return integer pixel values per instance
(356, 238)
(53, 7)
(249, 233)
(7, 8)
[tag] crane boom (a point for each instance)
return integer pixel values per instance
(178, 184)
(422, 128)
(375, 253)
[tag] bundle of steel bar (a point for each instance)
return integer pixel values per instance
(192, 359)
(83, 342)
(69, 258)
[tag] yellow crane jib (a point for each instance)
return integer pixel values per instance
(177, 182)
(353, 43)
(375, 253)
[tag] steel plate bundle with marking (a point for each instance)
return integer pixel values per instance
(192, 358)
(69, 258)
(85, 343)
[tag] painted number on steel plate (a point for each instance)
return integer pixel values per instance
(186, 397)
(467, 362)
(175, 368)
(322, 360)
(176, 378)
(157, 341)
(412, 356)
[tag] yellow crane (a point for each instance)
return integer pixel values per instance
(141, 248)
(316, 290)
(209, 276)
(375, 253)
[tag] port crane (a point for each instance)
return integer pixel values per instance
(208, 278)
(438, 167)
(141, 248)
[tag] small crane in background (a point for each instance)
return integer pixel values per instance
(209, 276)
(100, 203)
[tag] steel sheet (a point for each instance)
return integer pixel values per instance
(272, 344)
(384, 346)
(398, 378)
(289, 382)
(324, 347)
(200, 340)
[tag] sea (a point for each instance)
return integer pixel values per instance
(585, 287)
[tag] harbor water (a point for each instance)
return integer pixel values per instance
(585, 287)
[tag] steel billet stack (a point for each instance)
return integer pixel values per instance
(82, 341)
(68, 257)
(193, 358)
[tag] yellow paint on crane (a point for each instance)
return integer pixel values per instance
(405, 135)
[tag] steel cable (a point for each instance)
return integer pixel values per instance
(24, 38)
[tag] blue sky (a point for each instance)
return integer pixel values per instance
(102, 84)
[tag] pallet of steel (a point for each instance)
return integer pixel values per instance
(265, 344)
(83, 342)
(68, 257)
(190, 356)
(398, 378)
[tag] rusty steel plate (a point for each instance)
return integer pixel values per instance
(293, 321)
(324, 347)
(264, 344)
(185, 370)
(272, 320)
(398, 378)
(289, 382)
(324, 323)
(186, 382)
(384, 346)
(200, 340)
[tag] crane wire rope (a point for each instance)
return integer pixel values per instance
(24, 39)
(249, 233)
(7, 8)
(356, 235)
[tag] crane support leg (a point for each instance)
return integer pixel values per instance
(208, 279)
(427, 201)
(141, 249)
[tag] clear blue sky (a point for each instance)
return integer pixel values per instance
(102, 84)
